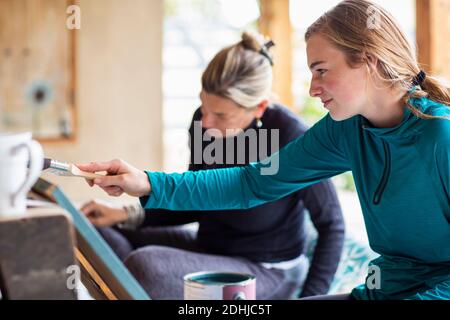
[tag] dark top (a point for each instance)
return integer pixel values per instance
(272, 232)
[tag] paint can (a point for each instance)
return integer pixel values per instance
(219, 286)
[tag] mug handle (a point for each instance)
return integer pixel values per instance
(36, 157)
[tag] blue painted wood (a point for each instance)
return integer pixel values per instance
(95, 241)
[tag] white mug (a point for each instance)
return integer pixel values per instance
(21, 161)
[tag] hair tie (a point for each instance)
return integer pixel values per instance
(265, 50)
(419, 78)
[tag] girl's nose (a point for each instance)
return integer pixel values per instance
(314, 90)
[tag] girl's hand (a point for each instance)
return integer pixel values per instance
(121, 177)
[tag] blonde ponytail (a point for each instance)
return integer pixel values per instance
(434, 90)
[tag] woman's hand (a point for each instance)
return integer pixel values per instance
(121, 177)
(104, 215)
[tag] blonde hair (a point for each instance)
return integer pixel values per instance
(360, 27)
(240, 72)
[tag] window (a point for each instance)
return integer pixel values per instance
(194, 31)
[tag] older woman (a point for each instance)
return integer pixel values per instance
(267, 240)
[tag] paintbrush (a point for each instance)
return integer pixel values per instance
(66, 169)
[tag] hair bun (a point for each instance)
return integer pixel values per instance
(251, 42)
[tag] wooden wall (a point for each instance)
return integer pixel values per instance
(36, 68)
(119, 89)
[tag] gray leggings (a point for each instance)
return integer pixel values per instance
(159, 257)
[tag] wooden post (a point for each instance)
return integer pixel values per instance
(275, 23)
(35, 254)
(433, 34)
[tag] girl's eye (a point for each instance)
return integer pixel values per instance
(321, 71)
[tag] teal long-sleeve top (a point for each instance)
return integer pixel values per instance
(402, 176)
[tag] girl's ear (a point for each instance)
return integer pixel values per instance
(372, 62)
